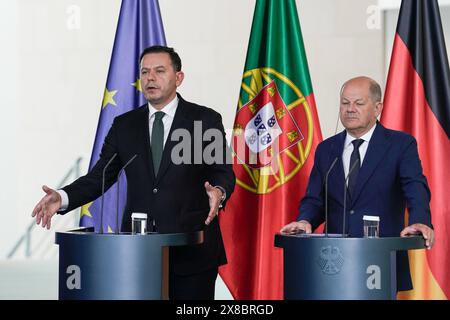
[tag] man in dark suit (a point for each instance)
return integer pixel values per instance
(173, 178)
(385, 177)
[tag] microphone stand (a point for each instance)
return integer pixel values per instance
(103, 192)
(118, 188)
(326, 195)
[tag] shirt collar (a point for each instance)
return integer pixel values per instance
(366, 137)
(169, 109)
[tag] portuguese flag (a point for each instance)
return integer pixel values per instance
(417, 101)
(275, 134)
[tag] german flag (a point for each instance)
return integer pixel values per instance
(417, 101)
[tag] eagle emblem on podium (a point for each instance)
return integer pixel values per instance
(330, 260)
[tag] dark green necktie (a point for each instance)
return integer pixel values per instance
(157, 140)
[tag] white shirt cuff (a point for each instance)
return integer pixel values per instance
(224, 195)
(64, 199)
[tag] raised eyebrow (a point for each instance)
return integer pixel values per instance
(157, 68)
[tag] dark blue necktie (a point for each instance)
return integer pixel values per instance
(353, 176)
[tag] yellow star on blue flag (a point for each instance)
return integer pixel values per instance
(85, 210)
(137, 85)
(108, 98)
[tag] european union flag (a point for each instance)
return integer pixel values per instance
(139, 26)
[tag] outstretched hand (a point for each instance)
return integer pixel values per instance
(47, 207)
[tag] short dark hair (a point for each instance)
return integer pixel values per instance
(174, 57)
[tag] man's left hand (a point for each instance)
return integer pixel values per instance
(214, 195)
(419, 228)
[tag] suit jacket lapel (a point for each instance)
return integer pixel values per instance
(378, 145)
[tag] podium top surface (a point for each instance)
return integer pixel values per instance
(163, 239)
(390, 243)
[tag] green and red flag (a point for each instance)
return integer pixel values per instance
(275, 134)
(417, 101)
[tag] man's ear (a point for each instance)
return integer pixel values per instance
(378, 108)
(179, 78)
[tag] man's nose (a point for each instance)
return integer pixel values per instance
(351, 108)
(150, 75)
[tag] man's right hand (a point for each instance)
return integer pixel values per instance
(47, 207)
(297, 227)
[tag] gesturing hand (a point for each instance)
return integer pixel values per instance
(214, 195)
(47, 207)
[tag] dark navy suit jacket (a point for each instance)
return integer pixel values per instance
(389, 180)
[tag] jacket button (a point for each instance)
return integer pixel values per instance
(352, 211)
(155, 191)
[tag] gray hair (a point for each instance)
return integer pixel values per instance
(374, 89)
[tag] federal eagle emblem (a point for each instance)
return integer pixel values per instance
(330, 260)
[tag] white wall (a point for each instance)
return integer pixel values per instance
(9, 124)
(55, 76)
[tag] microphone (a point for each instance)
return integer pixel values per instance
(118, 188)
(326, 194)
(345, 195)
(103, 191)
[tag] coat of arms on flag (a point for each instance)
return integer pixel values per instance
(276, 130)
(264, 128)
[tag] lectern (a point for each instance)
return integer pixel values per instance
(116, 266)
(317, 267)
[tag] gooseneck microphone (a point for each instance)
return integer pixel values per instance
(345, 195)
(103, 191)
(118, 189)
(326, 194)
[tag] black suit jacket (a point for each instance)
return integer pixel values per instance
(176, 197)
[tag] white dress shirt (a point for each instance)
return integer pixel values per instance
(348, 149)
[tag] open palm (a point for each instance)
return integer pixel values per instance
(47, 207)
